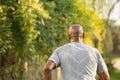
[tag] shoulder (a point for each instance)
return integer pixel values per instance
(63, 47)
(95, 50)
(90, 47)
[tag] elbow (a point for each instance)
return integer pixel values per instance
(104, 76)
(47, 74)
(47, 70)
(108, 77)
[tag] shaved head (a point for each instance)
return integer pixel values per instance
(75, 30)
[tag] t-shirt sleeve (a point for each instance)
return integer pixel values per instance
(101, 67)
(55, 58)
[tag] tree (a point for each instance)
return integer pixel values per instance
(18, 22)
(30, 30)
(104, 8)
(63, 14)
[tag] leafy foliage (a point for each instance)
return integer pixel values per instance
(19, 20)
(63, 14)
(26, 29)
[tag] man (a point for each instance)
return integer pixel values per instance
(77, 60)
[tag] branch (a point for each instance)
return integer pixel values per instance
(93, 3)
(110, 11)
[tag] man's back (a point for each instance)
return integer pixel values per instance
(77, 61)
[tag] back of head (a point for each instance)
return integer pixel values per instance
(76, 31)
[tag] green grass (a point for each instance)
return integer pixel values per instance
(115, 74)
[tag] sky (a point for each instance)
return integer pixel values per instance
(115, 15)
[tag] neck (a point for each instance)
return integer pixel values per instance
(76, 40)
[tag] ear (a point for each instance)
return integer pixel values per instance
(69, 37)
(83, 35)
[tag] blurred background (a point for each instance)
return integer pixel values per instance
(31, 29)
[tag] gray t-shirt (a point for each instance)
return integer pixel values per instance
(78, 61)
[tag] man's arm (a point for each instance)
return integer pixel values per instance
(104, 75)
(50, 65)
